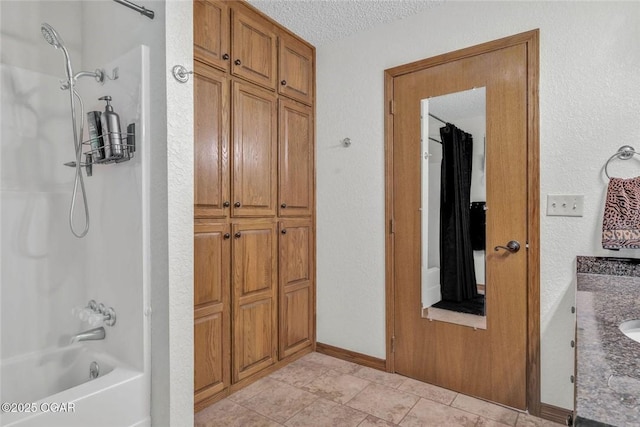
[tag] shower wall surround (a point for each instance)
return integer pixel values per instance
(608, 371)
(45, 270)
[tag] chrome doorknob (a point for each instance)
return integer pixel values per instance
(513, 246)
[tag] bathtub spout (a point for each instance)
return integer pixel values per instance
(91, 334)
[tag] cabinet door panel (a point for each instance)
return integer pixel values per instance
(209, 363)
(211, 265)
(296, 69)
(296, 164)
(212, 283)
(253, 47)
(254, 298)
(296, 286)
(211, 33)
(211, 143)
(254, 151)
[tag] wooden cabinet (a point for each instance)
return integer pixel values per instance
(211, 33)
(295, 65)
(254, 173)
(253, 47)
(255, 151)
(211, 143)
(296, 164)
(296, 285)
(254, 297)
(211, 295)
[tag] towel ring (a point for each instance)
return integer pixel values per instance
(624, 153)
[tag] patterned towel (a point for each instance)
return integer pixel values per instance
(621, 224)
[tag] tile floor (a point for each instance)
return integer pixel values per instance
(318, 390)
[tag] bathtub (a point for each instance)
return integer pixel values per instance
(53, 388)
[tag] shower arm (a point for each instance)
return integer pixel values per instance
(98, 74)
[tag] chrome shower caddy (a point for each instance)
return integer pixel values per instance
(127, 149)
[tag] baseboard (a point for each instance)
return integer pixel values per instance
(352, 356)
(556, 414)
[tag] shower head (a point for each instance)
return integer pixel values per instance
(51, 36)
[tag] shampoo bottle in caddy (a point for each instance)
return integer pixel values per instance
(95, 135)
(111, 131)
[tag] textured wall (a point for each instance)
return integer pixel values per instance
(589, 81)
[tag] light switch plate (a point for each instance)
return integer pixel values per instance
(565, 205)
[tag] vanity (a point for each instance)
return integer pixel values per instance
(608, 356)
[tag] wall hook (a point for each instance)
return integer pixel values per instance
(346, 142)
(181, 74)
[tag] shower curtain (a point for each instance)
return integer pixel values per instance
(457, 272)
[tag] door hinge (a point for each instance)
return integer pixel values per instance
(392, 226)
(393, 344)
(392, 107)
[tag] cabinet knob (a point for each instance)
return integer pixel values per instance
(237, 204)
(284, 231)
(225, 56)
(226, 204)
(283, 82)
(227, 235)
(283, 206)
(237, 235)
(237, 62)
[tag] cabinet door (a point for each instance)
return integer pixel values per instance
(212, 280)
(211, 33)
(253, 47)
(255, 143)
(295, 61)
(211, 143)
(296, 166)
(254, 298)
(296, 290)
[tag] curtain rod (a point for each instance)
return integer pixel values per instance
(143, 10)
(438, 118)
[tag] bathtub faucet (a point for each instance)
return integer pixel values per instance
(90, 335)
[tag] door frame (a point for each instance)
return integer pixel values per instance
(531, 40)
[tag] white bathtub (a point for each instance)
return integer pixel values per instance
(53, 389)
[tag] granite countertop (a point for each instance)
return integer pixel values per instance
(608, 374)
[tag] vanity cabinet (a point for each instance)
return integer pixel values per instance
(254, 194)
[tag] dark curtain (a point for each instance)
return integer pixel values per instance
(457, 272)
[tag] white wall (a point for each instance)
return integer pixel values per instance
(589, 81)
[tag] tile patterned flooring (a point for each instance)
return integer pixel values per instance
(319, 390)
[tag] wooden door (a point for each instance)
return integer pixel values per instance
(492, 363)
(296, 164)
(296, 285)
(211, 143)
(211, 31)
(253, 47)
(255, 145)
(255, 284)
(295, 65)
(212, 283)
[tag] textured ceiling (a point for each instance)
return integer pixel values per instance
(322, 21)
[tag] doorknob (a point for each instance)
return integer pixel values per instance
(513, 246)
